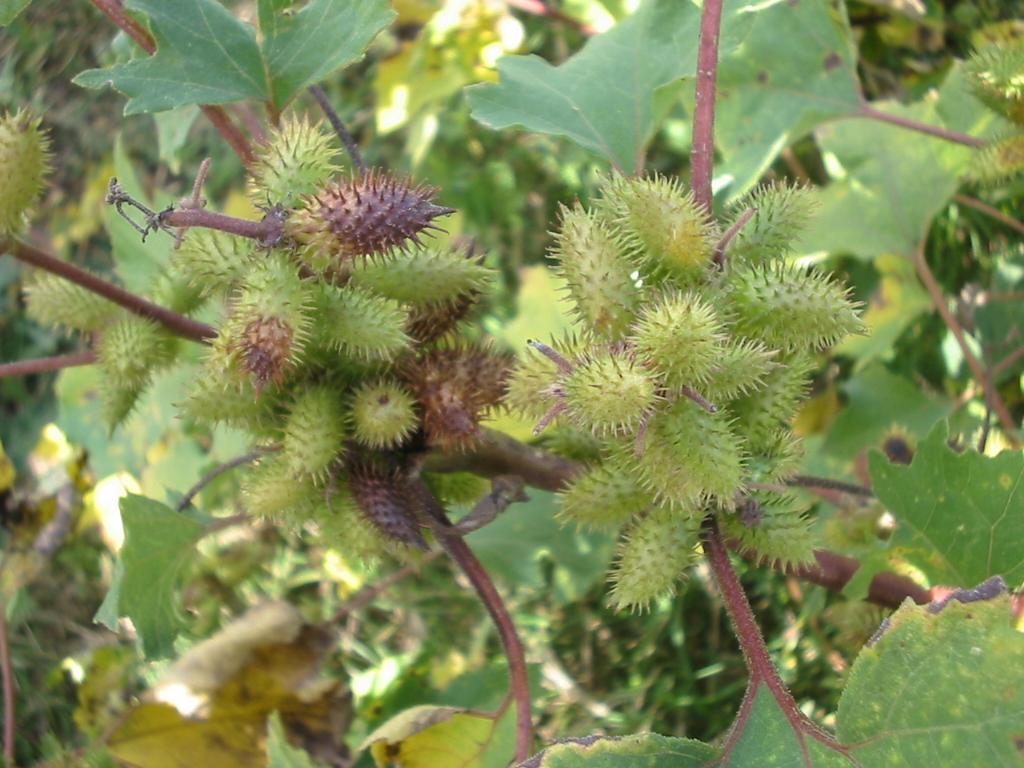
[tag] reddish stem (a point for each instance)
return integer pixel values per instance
(114, 10)
(755, 652)
(866, 110)
(459, 551)
(268, 230)
(990, 211)
(183, 326)
(731, 233)
(44, 364)
(992, 396)
(702, 156)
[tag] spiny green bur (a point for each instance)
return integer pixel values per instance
(424, 276)
(25, 158)
(314, 432)
(687, 374)
(600, 276)
(681, 338)
(383, 414)
(610, 393)
(653, 555)
(297, 159)
(661, 223)
(52, 300)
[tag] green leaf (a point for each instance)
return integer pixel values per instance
(305, 46)
(158, 543)
(604, 97)
(796, 69)
(204, 56)
(281, 754)
(766, 738)
(959, 516)
(515, 545)
(939, 689)
(172, 130)
(888, 183)
(645, 750)
(429, 736)
(877, 401)
(9, 9)
(893, 306)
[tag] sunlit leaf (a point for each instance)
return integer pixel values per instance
(796, 69)
(645, 750)
(939, 689)
(158, 543)
(211, 706)
(959, 516)
(206, 56)
(604, 97)
(430, 736)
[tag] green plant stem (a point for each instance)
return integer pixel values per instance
(344, 135)
(519, 682)
(869, 112)
(755, 652)
(44, 364)
(992, 396)
(180, 325)
(990, 211)
(702, 156)
(114, 10)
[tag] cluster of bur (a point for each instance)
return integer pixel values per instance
(337, 348)
(996, 76)
(686, 374)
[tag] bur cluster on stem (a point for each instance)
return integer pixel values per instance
(689, 364)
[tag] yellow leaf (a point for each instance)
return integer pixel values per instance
(6, 470)
(440, 737)
(212, 705)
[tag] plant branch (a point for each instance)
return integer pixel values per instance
(339, 127)
(459, 551)
(495, 453)
(268, 231)
(809, 481)
(992, 395)
(1007, 362)
(213, 474)
(44, 364)
(731, 233)
(371, 592)
(755, 652)
(869, 112)
(114, 10)
(180, 325)
(702, 156)
(990, 211)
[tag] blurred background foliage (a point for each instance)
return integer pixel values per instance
(675, 670)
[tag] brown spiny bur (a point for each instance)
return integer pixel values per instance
(431, 322)
(366, 215)
(266, 347)
(454, 387)
(384, 498)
